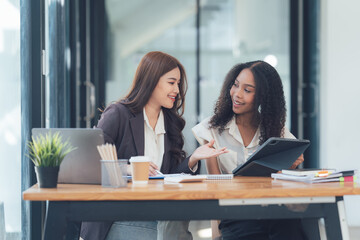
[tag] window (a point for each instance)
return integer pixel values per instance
(10, 127)
(234, 32)
(138, 27)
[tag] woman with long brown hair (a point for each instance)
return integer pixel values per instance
(148, 121)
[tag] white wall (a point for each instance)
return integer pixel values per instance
(340, 90)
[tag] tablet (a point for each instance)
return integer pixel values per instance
(272, 156)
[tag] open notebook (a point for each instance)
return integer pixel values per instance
(196, 178)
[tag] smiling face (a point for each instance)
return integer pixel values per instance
(166, 90)
(242, 93)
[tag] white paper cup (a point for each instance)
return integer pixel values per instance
(140, 169)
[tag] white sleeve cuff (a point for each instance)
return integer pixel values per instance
(195, 167)
(202, 132)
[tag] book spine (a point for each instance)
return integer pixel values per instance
(348, 179)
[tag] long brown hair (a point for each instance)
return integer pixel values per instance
(151, 67)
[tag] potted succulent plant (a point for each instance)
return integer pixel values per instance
(47, 153)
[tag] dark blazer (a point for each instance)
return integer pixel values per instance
(126, 130)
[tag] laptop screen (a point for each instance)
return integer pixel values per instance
(82, 165)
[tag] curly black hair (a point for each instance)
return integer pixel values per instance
(269, 100)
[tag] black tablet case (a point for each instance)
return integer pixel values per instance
(272, 156)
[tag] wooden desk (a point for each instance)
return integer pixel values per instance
(241, 198)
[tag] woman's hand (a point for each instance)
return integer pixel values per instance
(298, 162)
(204, 152)
(128, 170)
(152, 169)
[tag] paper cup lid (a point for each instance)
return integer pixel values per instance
(140, 159)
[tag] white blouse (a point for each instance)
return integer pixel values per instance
(154, 139)
(232, 140)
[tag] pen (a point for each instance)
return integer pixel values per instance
(158, 172)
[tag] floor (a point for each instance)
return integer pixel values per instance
(354, 233)
(200, 230)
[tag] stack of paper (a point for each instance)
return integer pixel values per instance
(316, 176)
(307, 171)
(184, 178)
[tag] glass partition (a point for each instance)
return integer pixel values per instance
(10, 127)
(236, 31)
(137, 27)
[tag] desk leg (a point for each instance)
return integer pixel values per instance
(332, 222)
(343, 221)
(311, 228)
(55, 221)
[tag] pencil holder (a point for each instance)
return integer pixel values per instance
(113, 173)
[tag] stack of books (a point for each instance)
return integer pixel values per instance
(316, 175)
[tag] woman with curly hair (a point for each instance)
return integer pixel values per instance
(250, 109)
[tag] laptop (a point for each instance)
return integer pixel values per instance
(82, 165)
(274, 155)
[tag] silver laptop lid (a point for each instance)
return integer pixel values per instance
(83, 164)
